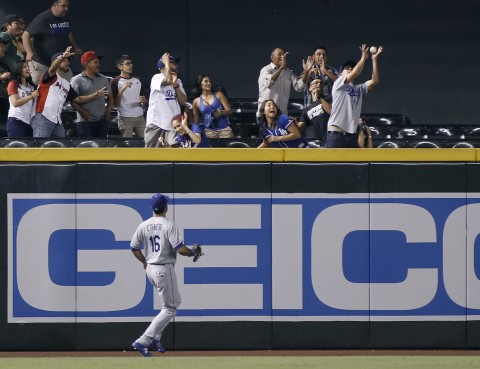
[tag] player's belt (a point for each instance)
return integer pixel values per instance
(162, 264)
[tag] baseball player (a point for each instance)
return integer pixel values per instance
(161, 242)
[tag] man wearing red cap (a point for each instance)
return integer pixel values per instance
(54, 90)
(92, 117)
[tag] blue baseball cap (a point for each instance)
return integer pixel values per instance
(172, 59)
(349, 64)
(59, 55)
(159, 202)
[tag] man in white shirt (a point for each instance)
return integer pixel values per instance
(129, 99)
(276, 80)
(347, 101)
(166, 96)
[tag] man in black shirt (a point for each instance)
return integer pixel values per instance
(50, 32)
(313, 121)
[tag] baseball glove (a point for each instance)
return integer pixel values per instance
(197, 249)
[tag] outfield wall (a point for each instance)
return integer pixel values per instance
(308, 249)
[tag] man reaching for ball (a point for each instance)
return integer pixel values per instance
(347, 100)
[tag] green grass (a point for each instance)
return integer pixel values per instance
(247, 362)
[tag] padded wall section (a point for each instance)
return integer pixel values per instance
(473, 256)
(417, 252)
(20, 273)
(227, 209)
(320, 255)
(130, 183)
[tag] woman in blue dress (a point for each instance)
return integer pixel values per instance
(213, 107)
(277, 129)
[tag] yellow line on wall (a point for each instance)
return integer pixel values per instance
(236, 155)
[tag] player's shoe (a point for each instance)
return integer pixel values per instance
(158, 346)
(142, 350)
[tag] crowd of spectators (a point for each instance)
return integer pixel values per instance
(36, 81)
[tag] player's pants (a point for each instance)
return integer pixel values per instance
(164, 279)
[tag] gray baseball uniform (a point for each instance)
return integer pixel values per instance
(160, 238)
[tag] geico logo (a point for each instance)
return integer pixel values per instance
(79, 256)
(289, 257)
(421, 284)
(36, 260)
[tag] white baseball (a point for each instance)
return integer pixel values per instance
(373, 50)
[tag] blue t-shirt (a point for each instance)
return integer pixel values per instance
(185, 141)
(280, 129)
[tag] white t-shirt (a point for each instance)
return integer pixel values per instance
(346, 104)
(26, 111)
(130, 105)
(163, 103)
(279, 90)
(159, 237)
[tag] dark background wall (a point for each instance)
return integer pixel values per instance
(430, 46)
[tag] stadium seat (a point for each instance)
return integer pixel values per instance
(238, 144)
(380, 132)
(388, 145)
(17, 144)
(416, 132)
(51, 144)
(88, 144)
(426, 145)
(463, 145)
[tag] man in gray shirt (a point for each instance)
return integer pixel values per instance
(347, 101)
(92, 117)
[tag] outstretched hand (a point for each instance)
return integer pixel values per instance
(379, 50)
(68, 53)
(364, 50)
(283, 61)
(166, 60)
(185, 120)
(307, 65)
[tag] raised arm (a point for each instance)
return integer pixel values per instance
(118, 97)
(307, 66)
(181, 97)
(371, 84)
(357, 70)
(56, 63)
(196, 137)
